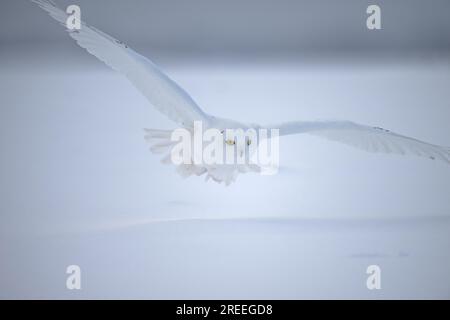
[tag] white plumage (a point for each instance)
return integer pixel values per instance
(371, 139)
(171, 100)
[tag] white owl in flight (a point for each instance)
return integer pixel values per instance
(171, 100)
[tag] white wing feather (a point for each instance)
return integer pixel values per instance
(158, 88)
(371, 139)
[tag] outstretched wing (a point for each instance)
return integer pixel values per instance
(157, 87)
(371, 139)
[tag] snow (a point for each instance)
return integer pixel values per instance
(80, 187)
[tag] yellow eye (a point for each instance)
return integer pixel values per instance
(230, 142)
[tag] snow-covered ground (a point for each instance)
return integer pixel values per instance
(78, 186)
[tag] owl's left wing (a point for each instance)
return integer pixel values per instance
(371, 139)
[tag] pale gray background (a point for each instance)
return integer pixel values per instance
(78, 185)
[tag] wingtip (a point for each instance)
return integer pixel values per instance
(44, 3)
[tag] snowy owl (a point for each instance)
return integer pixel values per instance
(171, 100)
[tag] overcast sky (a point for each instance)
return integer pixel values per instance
(208, 25)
